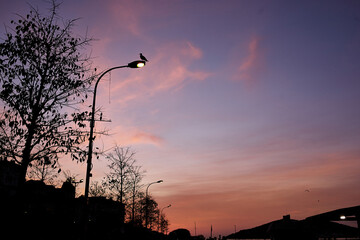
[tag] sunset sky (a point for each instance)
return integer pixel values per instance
(243, 106)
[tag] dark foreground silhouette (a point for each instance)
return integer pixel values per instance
(320, 226)
(35, 210)
(39, 211)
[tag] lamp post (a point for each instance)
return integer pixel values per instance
(147, 202)
(134, 64)
(160, 214)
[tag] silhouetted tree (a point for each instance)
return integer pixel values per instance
(163, 223)
(43, 72)
(44, 171)
(135, 179)
(139, 217)
(121, 163)
(151, 206)
(97, 190)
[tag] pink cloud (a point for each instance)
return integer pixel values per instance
(250, 60)
(146, 138)
(192, 51)
(130, 135)
(170, 69)
(127, 16)
(250, 64)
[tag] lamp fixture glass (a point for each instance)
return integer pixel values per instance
(136, 64)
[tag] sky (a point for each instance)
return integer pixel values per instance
(247, 110)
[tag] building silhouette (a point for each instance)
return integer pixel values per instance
(9, 177)
(39, 211)
(322, 226)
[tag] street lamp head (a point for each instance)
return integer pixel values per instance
(140, 64)
(136, 64)
(160, 181)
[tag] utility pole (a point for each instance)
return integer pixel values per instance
(195, 229)
(235, 231)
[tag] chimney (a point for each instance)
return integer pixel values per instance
(286, 217)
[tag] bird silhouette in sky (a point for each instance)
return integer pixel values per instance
(143, 58)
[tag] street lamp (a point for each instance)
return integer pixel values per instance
(147, 188)
(160, 214)
(134, 64)
(147, 202)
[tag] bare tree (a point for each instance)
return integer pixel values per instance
(44, 171)
(121, 163)
(135, 179)
(43, 75)
(139, 215)
(97, 190)
(71, 177)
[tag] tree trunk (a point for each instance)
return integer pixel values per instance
(133, 206)
(26, 157)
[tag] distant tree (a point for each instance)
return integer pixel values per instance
(163, 223)
(43, 74)
(117, 180)
(138, 218)
(45, 171)
(123, 183)
(151, 206)
(97, 190)
(69, 176)
(136, 176)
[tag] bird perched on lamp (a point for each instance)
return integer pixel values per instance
(142, 57)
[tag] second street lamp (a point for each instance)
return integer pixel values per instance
(160, 216)
(147, 202)
(134, 64)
